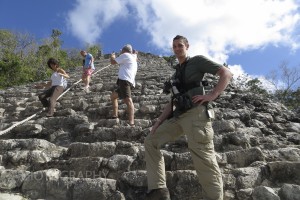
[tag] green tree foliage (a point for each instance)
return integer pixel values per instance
(23, 61)
(255, 86)
(15, 49)
(95, 50)
(286, 80)
(56, 43)
(290, 98)
(8, 44)
(172, 60)
(294, 100)
(74, 57)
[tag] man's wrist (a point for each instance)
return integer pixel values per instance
(215, 94)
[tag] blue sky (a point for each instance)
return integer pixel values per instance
(252, 36)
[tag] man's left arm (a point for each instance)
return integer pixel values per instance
(113, 59)
(135, 53)
(92, 60)
(224, 78)
(63, 73)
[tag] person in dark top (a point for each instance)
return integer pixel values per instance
(193, 117)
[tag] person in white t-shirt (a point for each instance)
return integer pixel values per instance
(57, 86)
(126, 80)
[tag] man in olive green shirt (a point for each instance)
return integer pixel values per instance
(195, 123)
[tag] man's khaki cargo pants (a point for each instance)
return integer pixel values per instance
(198, 128)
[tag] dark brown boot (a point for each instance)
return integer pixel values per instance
(158, 194)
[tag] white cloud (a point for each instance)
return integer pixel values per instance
(240, 77)
(89, 18)
(217, 28)
(265, 83)
(236, 70)
(214, 28)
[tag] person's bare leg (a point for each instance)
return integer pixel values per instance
(84, 80)
(130, 108)
(88, 79)
(114, 99)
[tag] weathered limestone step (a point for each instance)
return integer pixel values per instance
(12, 179)
(91, 167)
(23, 153)
(284, 172)
(100, 134)
(256, 139)
(283, 154)
(12, 196)
(48, 184)
(69, 123)
(273, 174)
(26, 144)
(181, 184)
(32, 96)
(242, 158)
(103, 149)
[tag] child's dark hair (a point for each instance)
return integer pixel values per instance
(52, 61)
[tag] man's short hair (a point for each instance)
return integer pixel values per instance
(180, 37)
(127, 48)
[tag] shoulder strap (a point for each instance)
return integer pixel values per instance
(180, 74)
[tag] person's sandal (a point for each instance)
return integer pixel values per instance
(131, 125)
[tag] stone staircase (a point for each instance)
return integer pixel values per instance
(82, 154)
